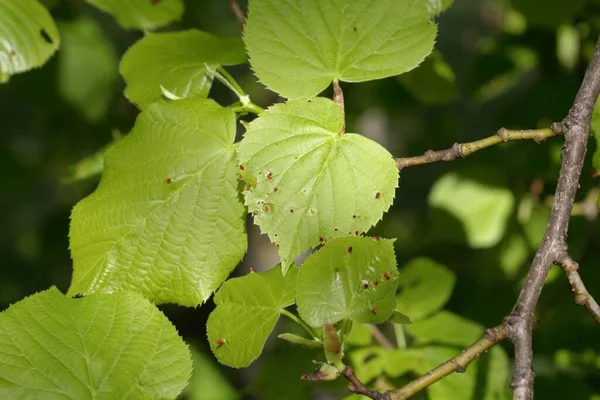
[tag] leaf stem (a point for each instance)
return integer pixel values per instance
(229, 81)
(303, 324)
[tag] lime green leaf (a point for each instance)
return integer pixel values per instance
(207, 381)
(28, 36)
(445, 328)
(299, 49)
(436, 7)
(433, 82)
(87, 68)
(247, 310)
(483, 208)
(90, 166)
(360, 335)
(98, 347)
(368, 362)
(399, 319)
(306, 182)
(165, 220)
(425, 287)
(349, 278)
(422, 360)
(498, 375)
(180, 62)
(142, 14)
(568, 46)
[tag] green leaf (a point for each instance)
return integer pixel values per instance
(142, 14)
(425, 287)
(180, 62)
(422, 360)
(166, 219)
(548, 14)
(498, 375)
(306, 182)
(359, 335)
(247, 310)
(368, 363)
(433, 82)
(207, 381)
(28, 36)
(399, 319)
(349, 278)
(568, 46)
(87, 68)
(298, 49)
(436, 7)
(90, 166)
(478, 199)
(445, 328)
(98, 347)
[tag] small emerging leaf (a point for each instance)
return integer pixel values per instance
(298, 48)
(176, 63)
(306, 182)
(399, 318)
(142, 14)
(98, 347)
(290, 337)
(28, 36)
(335, 283)
(247, 310)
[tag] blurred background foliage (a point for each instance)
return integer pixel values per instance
(466, 231)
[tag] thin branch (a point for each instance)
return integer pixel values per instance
(457, 364)
(462, 150)
(237, 11)
(380, 337)
(582, 296)
(356, 386)
(338, 98)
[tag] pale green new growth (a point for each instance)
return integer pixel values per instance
(99, 347)
(166, 219)
(28, 36)
(436, 7)
(298, 47)
(399, 319)
(247, 310)
(482, 209)
(142, 14)
(307, 183)
(180, 62)
(349, 278)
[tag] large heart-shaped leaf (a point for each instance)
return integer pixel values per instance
(166, 219)
(28, 36)
(180, 62)
(298, 47)
(142, 14)
(349, 278)
(307, 182)
(102, 346)
(247, 310)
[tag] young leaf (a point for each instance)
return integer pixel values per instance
(399, 318)
(425, 286)
(349, 278)
(166, 219)
(298, 49)
(207, 381)
(142, 14)
(306, 182)
(177, 61)
(87, 68)
(482, 207)
(28, 36)
(247, 310)
(100, 346)
(436, 7)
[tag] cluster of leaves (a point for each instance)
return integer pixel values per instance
(167, 222)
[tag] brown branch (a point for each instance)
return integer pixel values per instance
(462, 150)
(356, 386)
(237, 11)
(582, 296)
(338, 98)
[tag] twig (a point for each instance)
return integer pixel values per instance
(457, 364)
(338, 98)
(582, 296)
(356, 386)
(462, 150)
(237, 11)
(380, 337)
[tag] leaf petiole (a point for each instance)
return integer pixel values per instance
(303, 324)
(246, 105)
